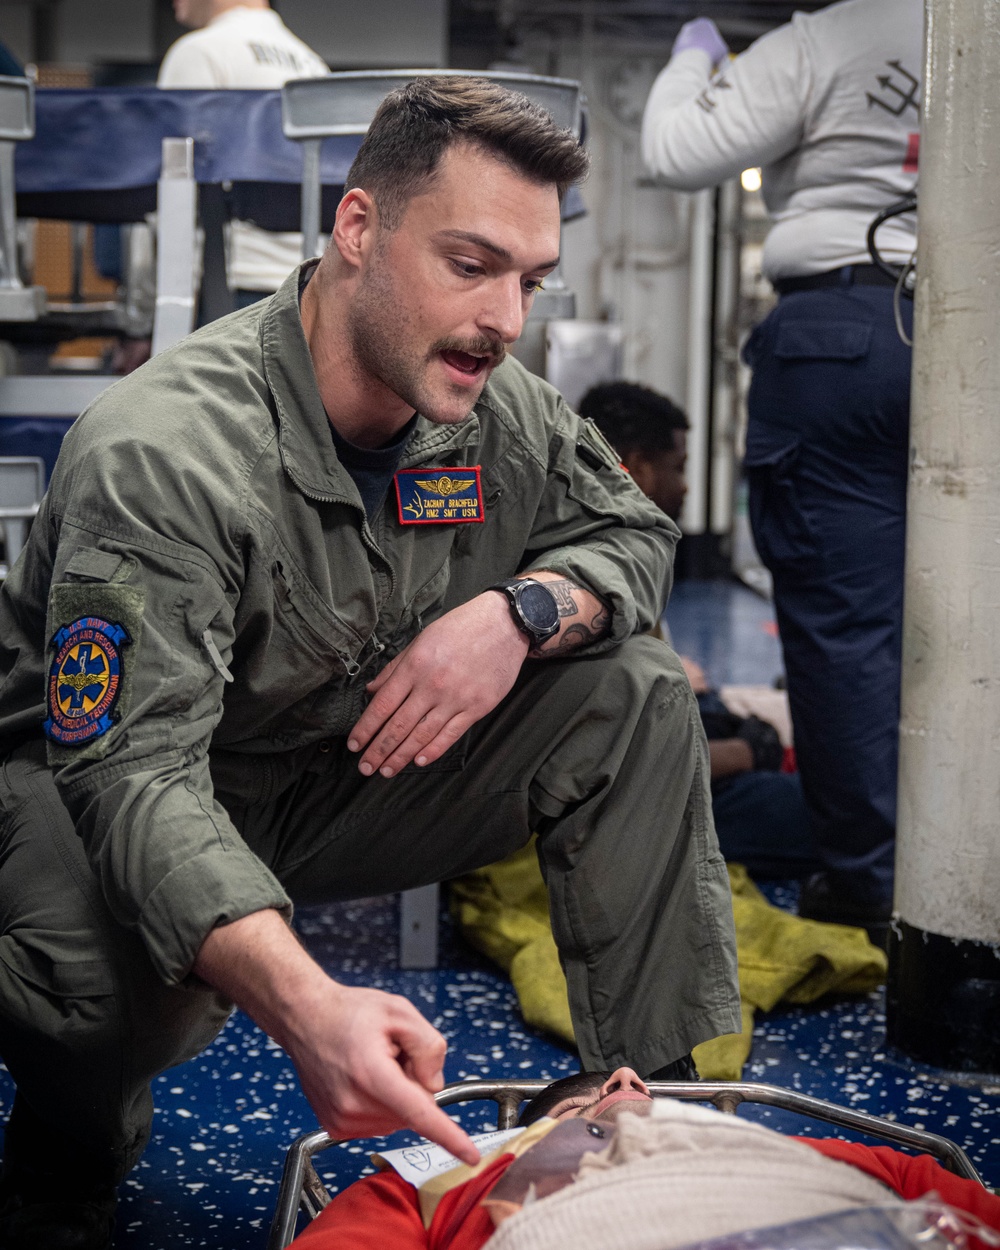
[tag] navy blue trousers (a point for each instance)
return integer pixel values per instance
(762, 821)
(827, 449)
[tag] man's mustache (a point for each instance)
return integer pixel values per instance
(495, 349)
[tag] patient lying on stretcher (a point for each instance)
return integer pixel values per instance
(597, 1164)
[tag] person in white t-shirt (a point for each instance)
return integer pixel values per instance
(241, 44)
(829, 106)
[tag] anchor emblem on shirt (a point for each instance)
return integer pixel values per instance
(900, 97)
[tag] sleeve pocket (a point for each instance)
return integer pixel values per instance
(822, 340)
(599, 481)
(90, 564)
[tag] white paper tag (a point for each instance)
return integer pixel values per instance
(418, 1164)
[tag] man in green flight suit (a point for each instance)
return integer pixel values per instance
(329, 600)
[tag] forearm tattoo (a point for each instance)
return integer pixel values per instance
(579, 633)
(563, 592)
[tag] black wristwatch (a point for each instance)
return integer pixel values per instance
(533, 607)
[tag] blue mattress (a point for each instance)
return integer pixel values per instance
(96, 154)
(33, 436)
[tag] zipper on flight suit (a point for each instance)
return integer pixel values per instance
(353, 666)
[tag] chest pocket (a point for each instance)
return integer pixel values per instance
(311, 630)
(291, 653)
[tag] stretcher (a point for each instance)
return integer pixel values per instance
(302, 1189)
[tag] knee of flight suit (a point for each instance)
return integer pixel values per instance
(622, 713)
(623, 679)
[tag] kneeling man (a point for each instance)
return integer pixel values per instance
(328, 600)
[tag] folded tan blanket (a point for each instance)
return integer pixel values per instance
(682, 1175)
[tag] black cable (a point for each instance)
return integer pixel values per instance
(908, 204)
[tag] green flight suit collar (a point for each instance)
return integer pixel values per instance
(307, 450)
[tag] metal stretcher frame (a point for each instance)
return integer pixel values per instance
(302, 1188)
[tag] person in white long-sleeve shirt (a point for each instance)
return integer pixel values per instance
(242, 44)
(829, 107)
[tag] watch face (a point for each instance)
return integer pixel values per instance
(538, 606)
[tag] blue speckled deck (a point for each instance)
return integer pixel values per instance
(223, 1121)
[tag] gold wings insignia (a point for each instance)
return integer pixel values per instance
(445, 486)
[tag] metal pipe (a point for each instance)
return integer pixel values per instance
(176, 252)
(78, 243)
(725, 399)
(418, 927)
(944, 986)
(312, 196)
(290, 1190)
(9, 276)
(694, 518)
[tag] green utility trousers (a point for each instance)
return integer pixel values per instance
(603, 756)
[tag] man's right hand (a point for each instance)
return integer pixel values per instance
(368, 1061)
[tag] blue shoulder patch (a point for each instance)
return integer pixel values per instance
(85, 680)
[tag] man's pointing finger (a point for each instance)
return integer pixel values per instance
(425, 1117)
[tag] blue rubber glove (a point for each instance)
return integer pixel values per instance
(704, 34)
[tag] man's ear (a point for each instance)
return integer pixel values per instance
(354, 226)
(642, 470)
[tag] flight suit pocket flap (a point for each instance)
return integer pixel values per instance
(305, 616)
(89, 978)
(596, 480)
(93, 564)
(822, 340)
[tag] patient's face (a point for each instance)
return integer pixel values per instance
(622, 1091)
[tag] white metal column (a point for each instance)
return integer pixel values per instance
(944, 998)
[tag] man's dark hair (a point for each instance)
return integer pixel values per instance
(633, 418)
(575, 1086)
(415, 125)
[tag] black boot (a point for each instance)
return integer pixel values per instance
(41, 1209)
(682, 1069)
(833, 900)
(56, 1225)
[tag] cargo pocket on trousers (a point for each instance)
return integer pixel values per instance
(781, 530)
(66, 998)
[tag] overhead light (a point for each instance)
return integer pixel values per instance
(750, 180)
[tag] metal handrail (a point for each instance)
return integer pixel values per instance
(306, 111)
(344, 103)
(302, 1187)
